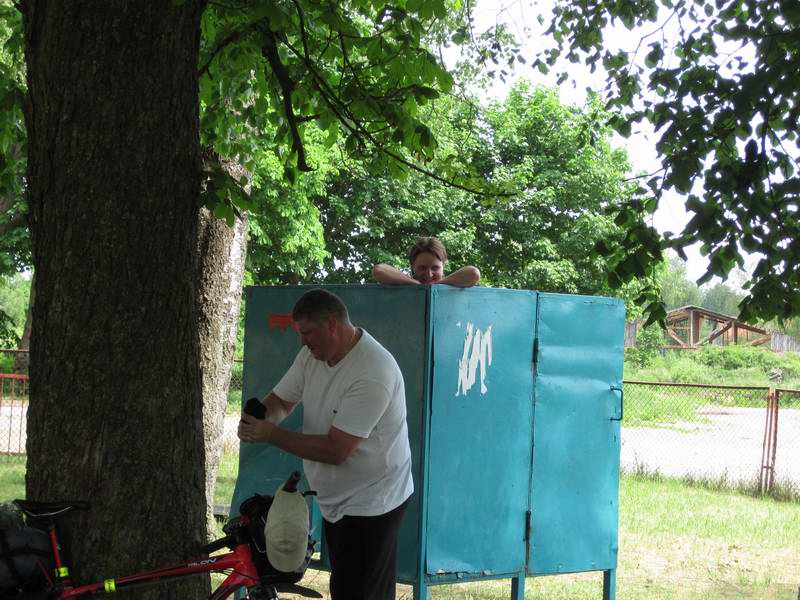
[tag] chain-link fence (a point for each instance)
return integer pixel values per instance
(742, 437)
(746, 437)
(13, 412)
(787, 433)
(236, 378)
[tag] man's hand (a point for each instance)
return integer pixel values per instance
(255, 430)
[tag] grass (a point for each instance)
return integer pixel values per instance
(654, 405)
(781, 491)
(226, 478)
(12, 477)
(651, 405)
(677, 541)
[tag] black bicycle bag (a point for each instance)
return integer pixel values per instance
(26, 560)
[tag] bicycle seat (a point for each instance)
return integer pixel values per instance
(39, 510)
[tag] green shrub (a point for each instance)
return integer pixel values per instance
(649, 341)
(6, 362)
(689, 371)
(733, 365)
(738, 357)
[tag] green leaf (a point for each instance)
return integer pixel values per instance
(333, 135)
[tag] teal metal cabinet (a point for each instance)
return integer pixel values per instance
(514, 405)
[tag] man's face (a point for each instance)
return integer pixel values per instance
(318, 336)
(427, 268)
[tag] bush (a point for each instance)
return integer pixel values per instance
(738, 357)
(734, 365)
(689, 371)
(732, 358)
(649, 341)
(6, 362)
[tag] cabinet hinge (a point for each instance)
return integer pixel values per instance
(528, 526)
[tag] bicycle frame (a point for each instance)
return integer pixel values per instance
(243, 566)
(239, 561)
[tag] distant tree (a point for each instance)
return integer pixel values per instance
(285, 237)
(14, 238)
(676, 288)
(722, 299)
(14, 293)
(558, 159)
(717, 79)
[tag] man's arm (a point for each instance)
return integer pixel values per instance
(333, 448)
(383, 273)
(465, 277)
(277, 408)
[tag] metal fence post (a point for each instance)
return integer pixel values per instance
(769, 446)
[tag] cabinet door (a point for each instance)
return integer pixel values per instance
(270, 346)
(480, 432)
(577, 407)
(396, 317)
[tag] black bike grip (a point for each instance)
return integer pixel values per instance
(255, 408)
(225, 542)
(291, 483)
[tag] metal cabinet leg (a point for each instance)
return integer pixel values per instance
(610, 584)
(421, 591)
(518, 588)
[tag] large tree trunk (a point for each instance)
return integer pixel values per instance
(222, 254)
(116, 412)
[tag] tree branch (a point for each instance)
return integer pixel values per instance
(233, 37)
(270, 51)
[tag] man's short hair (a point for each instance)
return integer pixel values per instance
(319, 304)
(427, 244)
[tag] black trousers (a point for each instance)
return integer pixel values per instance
(363, 555)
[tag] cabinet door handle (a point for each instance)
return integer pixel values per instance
(618, 388)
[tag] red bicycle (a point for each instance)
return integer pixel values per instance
(247, 565)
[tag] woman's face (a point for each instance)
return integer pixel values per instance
(427, 268)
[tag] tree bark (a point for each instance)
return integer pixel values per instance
(222, 252)
(116, 414)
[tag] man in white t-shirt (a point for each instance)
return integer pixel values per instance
(354, 443)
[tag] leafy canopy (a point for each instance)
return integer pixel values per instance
(557, 157)
(717, 79)
(358, 70)
(274, 79)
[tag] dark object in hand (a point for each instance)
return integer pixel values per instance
(255, 408)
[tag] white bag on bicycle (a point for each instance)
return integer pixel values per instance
(286, 531)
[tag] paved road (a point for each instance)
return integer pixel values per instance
(727, 442)
(13, 418)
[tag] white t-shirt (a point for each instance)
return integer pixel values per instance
(363, 395)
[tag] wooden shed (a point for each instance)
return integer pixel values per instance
(691, 327)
